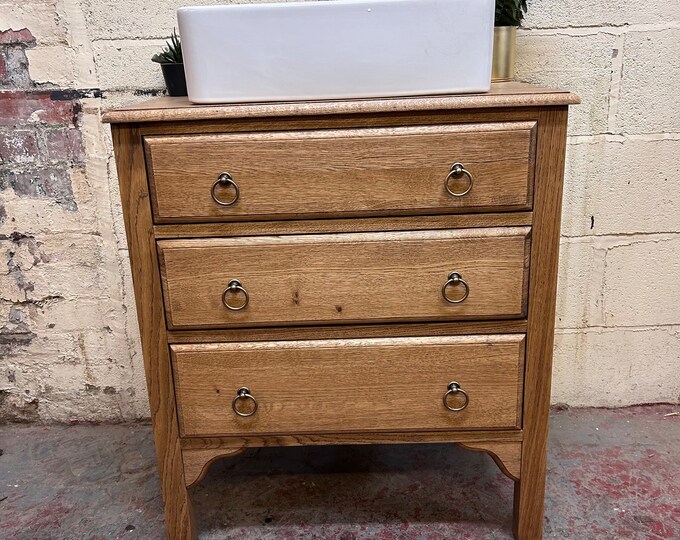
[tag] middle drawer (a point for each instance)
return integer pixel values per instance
(345, 278)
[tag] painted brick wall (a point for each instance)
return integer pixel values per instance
(69, 347)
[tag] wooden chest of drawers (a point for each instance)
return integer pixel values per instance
(346, 272)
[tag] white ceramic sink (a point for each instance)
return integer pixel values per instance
(336, 49)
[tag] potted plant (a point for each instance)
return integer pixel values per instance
(172, 64)
(509, 15)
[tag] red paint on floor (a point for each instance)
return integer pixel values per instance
(611, 474)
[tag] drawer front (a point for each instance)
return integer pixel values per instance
(345, 278)
(377, 385)
(352, 172)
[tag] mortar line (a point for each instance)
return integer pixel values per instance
(585, 30)
(661, 236)
(570, 30)
(641, 327)
(623, 137)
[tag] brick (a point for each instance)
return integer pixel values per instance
(74, 313)
(12, 37)
(50, 273)
(18, 409)
(616, 367)
(22, 253)
(47, 214)
(15, 332)
(571, 13)
(130, 19)
(18, 146)
(21, 108)
(16, 68)
(72, 327)
(127, 64)
(606, 177)
(579, 285)
(52, 183)
(54, 65)
(57, 109)
(641, 286)
(580, 63)
(64, 144)
(40, 16)
(603, 179)
(650, 79)
(55, 275)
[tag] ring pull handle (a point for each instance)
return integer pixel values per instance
(243, 395)
(454, 389)
(458, 170)
(235, 287)
(455, 280)
(225, 180)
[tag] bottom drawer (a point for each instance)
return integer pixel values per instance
(352, 385)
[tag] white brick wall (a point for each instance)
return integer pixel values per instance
(618, 322)
(618, 339)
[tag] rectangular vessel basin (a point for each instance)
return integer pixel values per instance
(336, 49)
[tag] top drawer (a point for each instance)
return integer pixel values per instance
(343, 173)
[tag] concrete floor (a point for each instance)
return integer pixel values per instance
(611, 474)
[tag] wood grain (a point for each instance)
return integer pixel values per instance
(340, 386)
(511, 94)
(311, 226)
(198, 460)
(352, 172)
(150, 314)
(340, 121)
(388, 123)
(348, 278)
(506, 454)
(258, 441)
(457, 328)
(529, 492)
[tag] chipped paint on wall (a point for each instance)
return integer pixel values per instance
(69, 345)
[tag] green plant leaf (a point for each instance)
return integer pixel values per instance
(171, 53)
(510, 12)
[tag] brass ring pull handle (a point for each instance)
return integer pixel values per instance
(225, 180)
(455, 279)
(244, 394)
(233, 288)
(455, 389)
(458, 170)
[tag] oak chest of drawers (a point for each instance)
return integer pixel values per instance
(346, 272)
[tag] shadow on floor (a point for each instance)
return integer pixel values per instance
(612, 474)
(374, 491)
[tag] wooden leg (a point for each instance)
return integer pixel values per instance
(179, 513)
(179, 517)
(134, 191)
(529, 490)
(528, 504)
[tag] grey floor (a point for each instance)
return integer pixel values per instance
(612, 474)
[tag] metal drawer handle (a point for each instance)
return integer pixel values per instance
(458, 170)
(455, 389)
(225, 180)
(235, 287)
(455, 279)
(244, 394)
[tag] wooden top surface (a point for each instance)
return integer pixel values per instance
(508, 94)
